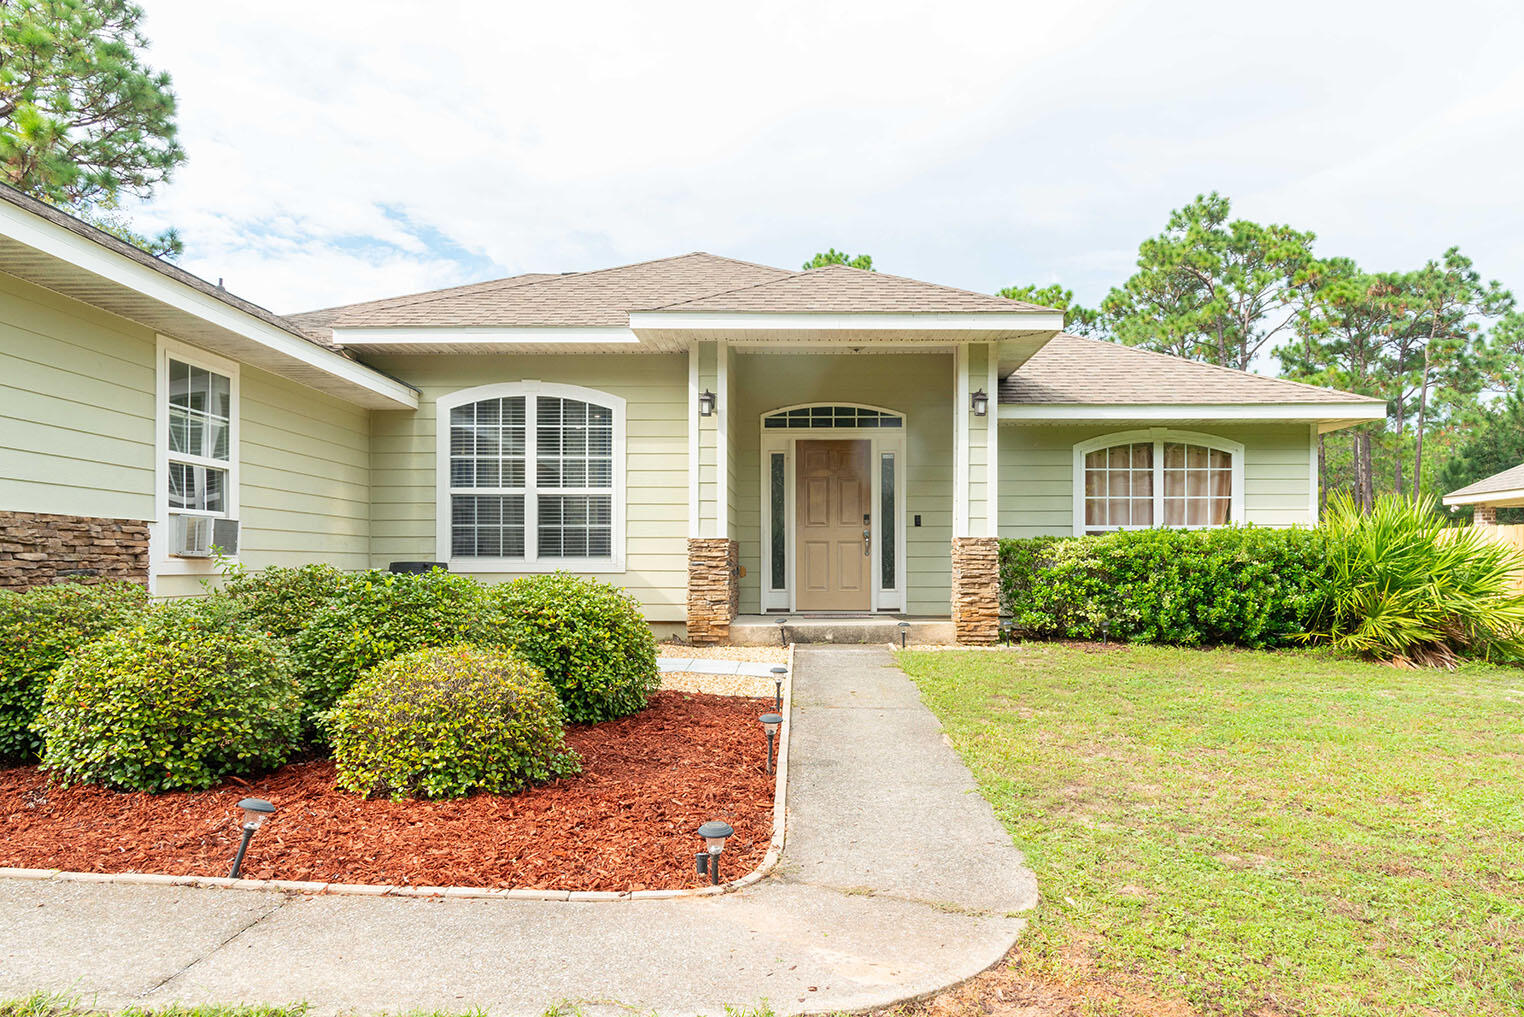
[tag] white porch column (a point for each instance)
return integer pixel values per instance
(712, 554)
(976, 518)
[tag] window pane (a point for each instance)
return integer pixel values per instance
(575, 526)
(199, 488)
(886, 521)
(487, 444)
(1142, 512)
(1174, 456)
(1195, 512)
(487, 525)
(777, 488)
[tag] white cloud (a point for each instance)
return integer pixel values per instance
(341, 151)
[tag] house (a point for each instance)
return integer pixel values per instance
(1501, 490)
(715, 436)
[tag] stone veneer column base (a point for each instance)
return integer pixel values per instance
(1486, 515)
(976, 590)
(714, 594)
(37, 548)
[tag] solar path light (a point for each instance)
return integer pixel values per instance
(783, 631)
(904, 631)
(1105, 631)
(778, 673)
(707, 861)
(255, 812)
(770, 723)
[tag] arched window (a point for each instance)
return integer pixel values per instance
(1141, 479)
(531, 477)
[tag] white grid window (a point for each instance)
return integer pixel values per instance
(200, 439)
(1152, 478)
(533, 477)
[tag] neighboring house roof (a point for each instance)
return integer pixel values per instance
(1507, 485)
(1071, 369)
(844, 290)
(587, 299)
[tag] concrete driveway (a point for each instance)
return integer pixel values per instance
(895, 880)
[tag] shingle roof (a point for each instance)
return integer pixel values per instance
(841, 289)
(590, 299)
(1509, 480)
(319, 324)
(1072, 369)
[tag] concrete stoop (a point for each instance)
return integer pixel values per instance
(776, 629)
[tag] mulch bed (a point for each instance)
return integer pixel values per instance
(625, 823)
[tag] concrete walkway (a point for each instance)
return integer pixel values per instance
(896, 880)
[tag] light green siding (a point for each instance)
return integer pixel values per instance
(1037, 468)
(919, 385)
(76, 407)
(655, 389)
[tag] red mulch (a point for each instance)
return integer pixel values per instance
(626, 822)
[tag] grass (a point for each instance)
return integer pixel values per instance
(1253, 833)
(45, 1004)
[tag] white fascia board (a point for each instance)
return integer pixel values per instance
(1193, 411)
(481, 335)
(970, 321)
(65, 245)
(1491, 497)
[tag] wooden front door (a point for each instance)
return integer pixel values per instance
(832, 526)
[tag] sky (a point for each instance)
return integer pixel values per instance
(346, 151)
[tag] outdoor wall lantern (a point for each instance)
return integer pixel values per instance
(706, 403)
(981, 403)
(778, 673)
(707, 862)
(770, 723)
(255, 812)
(904, 631)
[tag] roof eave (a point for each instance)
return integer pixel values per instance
(1498, 499)
(1329, 416)
(886, 321)
(69, 262)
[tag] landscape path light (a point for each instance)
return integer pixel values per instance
(707, 861)
(770, 724)
(783, 631)
(255, 812)
(778, 673)
(904, 631)
(1105, 631)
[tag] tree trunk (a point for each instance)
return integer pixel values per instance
(1397, 446)
(1423, 402)
(1366, 470)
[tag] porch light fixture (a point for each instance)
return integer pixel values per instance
(981, 403)
(904, 631)
(778, 673)
(707, 861)
(770, 723)
(706, 403)
(255, 812)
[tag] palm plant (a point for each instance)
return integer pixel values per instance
(1402, 584)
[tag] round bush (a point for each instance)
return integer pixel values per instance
(442, 722)
(282, 601)
(376, 616)
(588, 637)
(38, 631)
(188, 696)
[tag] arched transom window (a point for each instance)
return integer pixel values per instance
(532, 475)
(1142, 479)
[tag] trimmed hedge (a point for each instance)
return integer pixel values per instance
(39, 629)
(443, 722)
(188, 696)
(283, 601)
(1243, 586)
(376, 616)
(589, 638)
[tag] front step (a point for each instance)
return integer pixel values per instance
(764, 630)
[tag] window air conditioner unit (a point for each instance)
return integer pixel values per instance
(196, 536)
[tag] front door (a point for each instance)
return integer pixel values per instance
(832, 526)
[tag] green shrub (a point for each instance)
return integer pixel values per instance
(1401, 583)
(38, 631)
(1243, 586)
(377, 616)
(589, 638)
(283, 601)
(189, 695)
(442, 722)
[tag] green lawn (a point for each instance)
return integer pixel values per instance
(1255, 833)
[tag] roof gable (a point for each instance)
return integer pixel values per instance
(1511, 479)
(841, 289)
(1070, 369)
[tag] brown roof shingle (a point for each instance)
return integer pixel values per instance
(590, 299)
(1072, 369)
(845, 290)
(319, 323)
(1511, 479)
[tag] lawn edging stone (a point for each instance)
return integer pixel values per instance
(762, 871)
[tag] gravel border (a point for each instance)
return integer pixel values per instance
(769, 861)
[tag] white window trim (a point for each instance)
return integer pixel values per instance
(880, 441)
(161, 563)
(531, 562)
(1158, 435)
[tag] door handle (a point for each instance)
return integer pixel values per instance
(867, 535)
